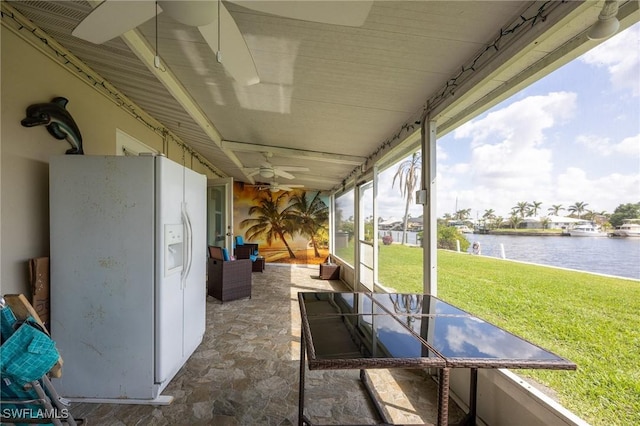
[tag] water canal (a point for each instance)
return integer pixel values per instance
(611, 256)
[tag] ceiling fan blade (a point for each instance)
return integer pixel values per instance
(231, 48)
(282, 173)
(191, 13)
(253, 172)
(112, 18)
(348, 13)
(289, 187)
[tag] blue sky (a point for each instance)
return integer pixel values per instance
(573, 136)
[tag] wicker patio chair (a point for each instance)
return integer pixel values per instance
(227, 279)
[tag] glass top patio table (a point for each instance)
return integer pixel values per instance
(349, 330)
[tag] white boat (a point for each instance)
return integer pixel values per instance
(587, 230)
(630, 228)
(464, 229)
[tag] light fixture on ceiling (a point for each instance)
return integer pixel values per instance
(607, 23)
(267, 172)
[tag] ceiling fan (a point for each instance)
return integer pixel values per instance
(268, 170)
(112, 18)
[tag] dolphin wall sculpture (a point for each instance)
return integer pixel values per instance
(54, 116)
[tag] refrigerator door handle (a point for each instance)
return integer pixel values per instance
(189, 249)
(190, 236)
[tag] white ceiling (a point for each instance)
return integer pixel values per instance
(333, 97)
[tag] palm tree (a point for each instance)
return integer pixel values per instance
(463, 214)
(534, 207)
(489, 216)
(408, 174)
(589, 214)
(520, 208)
(270, 222)
(555, 209)
(578, 208)
(515, 220)
(545, 221)
(309, 216)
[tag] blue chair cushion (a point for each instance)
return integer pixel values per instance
(27, 354)
(253, 257)
(239, 240)
(225, 255)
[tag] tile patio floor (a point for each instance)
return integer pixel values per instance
(246, 371)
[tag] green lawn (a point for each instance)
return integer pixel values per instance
(589, 319)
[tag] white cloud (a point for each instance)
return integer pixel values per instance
(522, 123)
(597, 144)
(509, 160)
(620, 55)
(628, 147)
(502, 166)
(603, 193)
(460, 168)
(441, 154)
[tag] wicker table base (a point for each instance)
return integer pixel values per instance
(443, 389)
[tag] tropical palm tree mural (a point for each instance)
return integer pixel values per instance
(308, 216)
(293, 220)
(269, 222)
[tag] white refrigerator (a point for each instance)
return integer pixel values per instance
(128, 265)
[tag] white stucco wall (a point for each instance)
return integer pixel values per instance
(28, 76)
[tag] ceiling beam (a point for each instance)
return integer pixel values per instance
(146, 54)
(294, 153)
(327, 181)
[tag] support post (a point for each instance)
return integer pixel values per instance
(429, 214)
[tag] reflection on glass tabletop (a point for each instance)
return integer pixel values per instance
(349, 325)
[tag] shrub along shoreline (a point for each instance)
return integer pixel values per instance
(590, 319)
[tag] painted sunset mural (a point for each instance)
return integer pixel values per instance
(290, 226)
